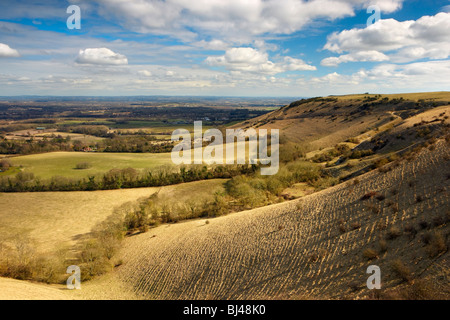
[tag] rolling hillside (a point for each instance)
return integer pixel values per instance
(310, 248)
(395, 216)
(324, 122)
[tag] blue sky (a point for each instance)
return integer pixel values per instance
(224, 47)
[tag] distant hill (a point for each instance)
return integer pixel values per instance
(324, 122)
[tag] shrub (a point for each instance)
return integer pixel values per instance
(356, 225)
(353, 140)
(83, 166)
(291, 152)
(383, 245)
(401, 270)
(370, 254)
(358, 154)
(436, 245)
(381, 162)
(393, 233)
(24, 176)
(422, 290)
(5, 164)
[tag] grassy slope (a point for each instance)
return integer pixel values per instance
(322, 124)
(52, 164)
(436, 96)
(51, 219)
(266, 253)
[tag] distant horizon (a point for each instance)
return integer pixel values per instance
(214, 96)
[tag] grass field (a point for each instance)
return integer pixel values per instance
(47, 165)
(51, 219)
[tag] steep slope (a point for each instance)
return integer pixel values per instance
(312, 248)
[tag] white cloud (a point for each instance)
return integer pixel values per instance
(432, 71)
(145, 73)
(387, 6)
(427, 37)
(246, 59)
(7, 52)
(371, 55)
(231, 19)
(211, 45)
(101, 56)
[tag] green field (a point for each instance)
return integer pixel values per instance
(64, 164)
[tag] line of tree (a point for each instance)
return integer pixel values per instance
(31, 146)
(118, 144)
(122, 178)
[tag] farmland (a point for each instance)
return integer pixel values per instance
(48, 165)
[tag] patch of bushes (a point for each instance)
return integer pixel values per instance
(401, 270)
(338, 150)
(380, 163)
(358, 154)
(435, 244)
(23, 262)
(393, 233)
(353, 140)
(422, 289)
(5, 164)
(383, 245)
(83, 166)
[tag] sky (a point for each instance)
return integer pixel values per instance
(289, 48)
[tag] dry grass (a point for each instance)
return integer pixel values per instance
(312, 250)
(52, 219)
(433, 96)
(22, 290)
(246, 255)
